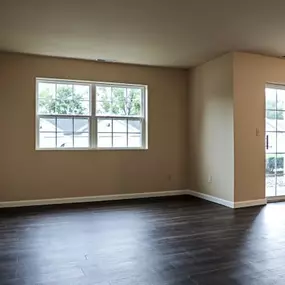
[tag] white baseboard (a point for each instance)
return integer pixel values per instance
(230, 204)
(227, 203)
(99, 198)
(211, 198)
(250, 203)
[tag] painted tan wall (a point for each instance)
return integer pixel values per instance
(29, 174)
(251, 73)
(211, 134)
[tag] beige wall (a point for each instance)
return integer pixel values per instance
(29, 174)
(225, 106)
(251, 73)
(211, 134)
(226, 97)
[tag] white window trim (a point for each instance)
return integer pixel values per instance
(93, 117)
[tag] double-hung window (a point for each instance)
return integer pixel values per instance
(90, 115)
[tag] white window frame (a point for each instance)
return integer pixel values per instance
(93, 117)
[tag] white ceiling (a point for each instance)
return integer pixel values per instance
(180, 33)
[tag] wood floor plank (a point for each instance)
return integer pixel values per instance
(171, 241)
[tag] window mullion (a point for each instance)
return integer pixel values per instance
(143, 119)
(38, 131)
(55, 131)
(93, 122)
(143, 138)
(73, 132)
(127, 132)
(112, 135)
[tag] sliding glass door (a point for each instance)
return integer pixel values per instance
(275, 140)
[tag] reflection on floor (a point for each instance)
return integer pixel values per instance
(169, 241)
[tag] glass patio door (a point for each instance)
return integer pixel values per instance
(275, 140)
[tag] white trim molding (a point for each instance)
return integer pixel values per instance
(211, 198)
(92, 118)
(230, 204)
(24, 203)
(251, 203)
(86, 199)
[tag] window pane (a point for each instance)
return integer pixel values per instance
(46, 106)
(46, 90)
(280, 164)
(281, 182)
(47, 140)
(103, 100)
(280, 99)
(270, 164)
(134, 126)
(270, 98)
(120, 126)
(47, 125)
(64, 140)
(103, 93)
(60, 87)
(46, 95)
(271, 142)
(86, 107)
(280, 121)
(270, 120)
(134, 140)
(104, 125)
(119, 101)
(104, 140)
(82, 91)
(81, 140)
(119, 140)
(81, 125)
(133, 103)
(280, 142)
(103, 108)
(68, 102)
(65, 125)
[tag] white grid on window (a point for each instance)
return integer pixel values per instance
(90, 115)
(118, 132)
(274, 140)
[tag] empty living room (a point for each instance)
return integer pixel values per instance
(142, 142)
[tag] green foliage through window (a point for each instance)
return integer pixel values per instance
(270, 164)
(279, 115)
(119, 101)
(66, 102)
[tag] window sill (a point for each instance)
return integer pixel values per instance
(93, 149)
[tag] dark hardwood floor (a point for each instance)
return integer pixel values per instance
(171, 241)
